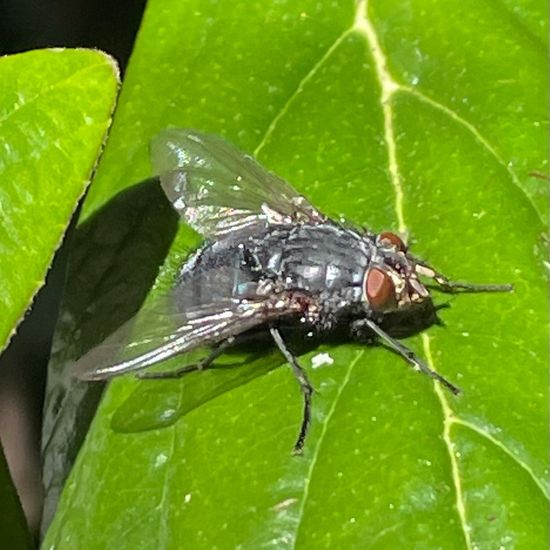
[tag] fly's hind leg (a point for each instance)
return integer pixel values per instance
(305, 387)
(203, 364)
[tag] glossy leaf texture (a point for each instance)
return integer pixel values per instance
(55, 109)
(398, 116)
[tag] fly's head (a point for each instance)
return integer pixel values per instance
(391, 282)
(393, 292)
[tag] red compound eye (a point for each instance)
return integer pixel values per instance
(389, 238)
(379, 289)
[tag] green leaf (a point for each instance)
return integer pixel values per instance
(55, 108)
(398, 117)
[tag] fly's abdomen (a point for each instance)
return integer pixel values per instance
(214, 273)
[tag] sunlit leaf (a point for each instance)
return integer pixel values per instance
(426, 118)
(55, 108)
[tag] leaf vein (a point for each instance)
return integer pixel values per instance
(320, 441)
(448, 417)
(284, 109)
(163, 504)
(485, 434)
(47, 90)
(478, 136)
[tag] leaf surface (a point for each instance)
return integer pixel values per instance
(399, 117)
(55, 109)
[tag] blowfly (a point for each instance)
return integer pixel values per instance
(273, 265)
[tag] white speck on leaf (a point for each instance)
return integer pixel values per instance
(321, 359)
(160, 459)
(479, 215)
(167, 414)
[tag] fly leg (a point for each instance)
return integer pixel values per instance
(200, 365)
(305, 387)
(411, 357)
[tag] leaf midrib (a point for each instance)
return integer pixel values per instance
(363, 27)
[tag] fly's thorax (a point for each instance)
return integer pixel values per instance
(314, 257)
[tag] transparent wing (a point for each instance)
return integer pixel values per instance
(158, 333)
(219, 190)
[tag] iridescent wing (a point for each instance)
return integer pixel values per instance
(158, 332)
(219, 190)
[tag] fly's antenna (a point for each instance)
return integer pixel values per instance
(456, 286)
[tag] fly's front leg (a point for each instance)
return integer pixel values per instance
(200, 365)
(361, 333)
(305, 387)
(410, 356)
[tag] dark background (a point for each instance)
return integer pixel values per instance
(110, 25)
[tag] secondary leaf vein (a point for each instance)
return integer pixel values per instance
(478, 136)
(485, 434)
(320, 440)
(47, 90)
(284, 109)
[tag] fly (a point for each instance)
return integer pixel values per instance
(272, 265)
